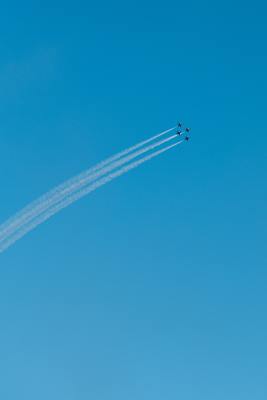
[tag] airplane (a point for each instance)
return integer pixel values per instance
(179, 131)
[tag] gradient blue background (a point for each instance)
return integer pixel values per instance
(153, 287)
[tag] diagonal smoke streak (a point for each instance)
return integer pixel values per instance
(73, 198)
(54, 195)
(76, 185)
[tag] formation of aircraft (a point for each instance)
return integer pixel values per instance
(179, 131)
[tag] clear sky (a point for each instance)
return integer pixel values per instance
(153, 287)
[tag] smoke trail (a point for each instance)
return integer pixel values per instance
(76, 185)
(16, 220)
(71, 199)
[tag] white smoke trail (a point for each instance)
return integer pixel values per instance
(76, 185)
(71, 199)
(55, 194)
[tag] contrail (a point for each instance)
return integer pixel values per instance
(76, 184)
(71, 199)
(55, 194)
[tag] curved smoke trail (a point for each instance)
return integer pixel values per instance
(71, 199)
(77, 183)
(54, 195)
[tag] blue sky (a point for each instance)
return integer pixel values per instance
(154, 286)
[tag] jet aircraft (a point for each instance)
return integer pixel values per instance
(179, 131)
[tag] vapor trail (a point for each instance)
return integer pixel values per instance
(76, 184)
(71, 199)
(55, 194)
